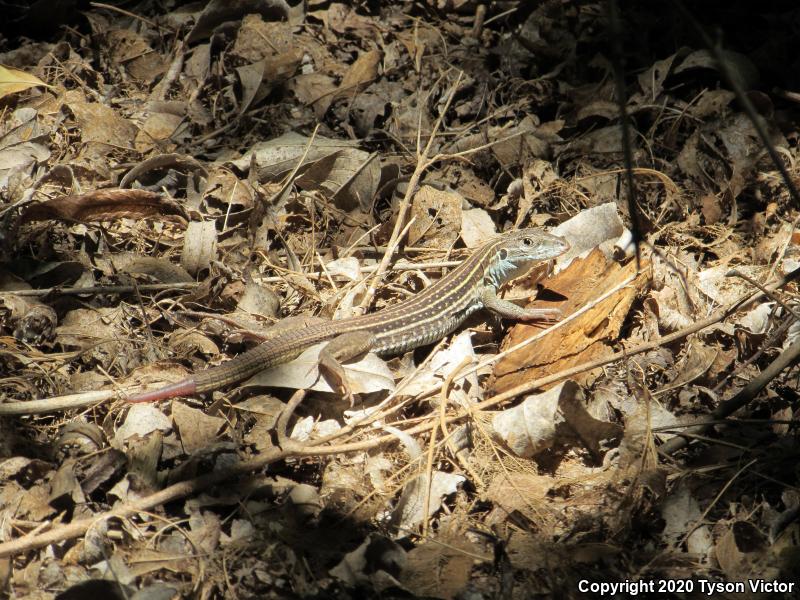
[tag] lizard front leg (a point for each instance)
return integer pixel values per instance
(509, 310)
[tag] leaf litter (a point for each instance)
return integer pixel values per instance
(172, 182)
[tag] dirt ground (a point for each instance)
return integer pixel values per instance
(175, 178)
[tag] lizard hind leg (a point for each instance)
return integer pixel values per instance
(342, 349)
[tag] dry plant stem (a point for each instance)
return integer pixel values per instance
(442, 264)
(289, 180)
(283, 420)
(56, 403)
(432, 444)
(615, 29)
(393, 477)
(155, 349)
(200, 314)
(357, 172)
(422, 165)
(768, 343)
(458, 455)
(102, 289)
(773, 296)
(786, 358)
(111, 8)
(701, 519)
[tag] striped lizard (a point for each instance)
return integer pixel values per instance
(423, 319)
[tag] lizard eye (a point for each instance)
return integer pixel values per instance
(527, 242)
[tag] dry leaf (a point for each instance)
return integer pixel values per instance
(197, 429)
(14, 80)
(199, 246)
(369, 374)
(437, 218)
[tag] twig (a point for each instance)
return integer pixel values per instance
(441, 264)
(422, 165)
(615, 30)
(102, 289)
(432, 444)
(458, 454)
(60, 533)
(111, 8)
(770, 294)
(283, 420)
(56, 403)
(699, 521)
(728, 407)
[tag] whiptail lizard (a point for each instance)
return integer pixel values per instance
(427, 317)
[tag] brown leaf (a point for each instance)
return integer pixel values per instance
(101, 124)
(350, 176)
(14, 80)
(437, 218)
(199, 246)
(712, 211)
(101, 205)
(197, 429)
(360, 74)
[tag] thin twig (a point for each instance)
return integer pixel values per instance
(770, 294)
(432, 444)
(283, 419)
(102, 289)
(786, 358)
(75, 529)
(615, 28)
(422, 165)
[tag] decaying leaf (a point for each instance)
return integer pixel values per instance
(14, 80)
(411, 511)
(441, 366)
(437, 218)
(200, 246)
(476, 227)
(369, 374)
(587, 337)
(555, 415)
(197, 429)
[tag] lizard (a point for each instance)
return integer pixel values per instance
(423, 319)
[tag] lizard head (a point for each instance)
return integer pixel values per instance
(514, 253)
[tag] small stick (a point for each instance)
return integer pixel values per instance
(422, 165)
(770, 294)
(102, 289)
(786, 358)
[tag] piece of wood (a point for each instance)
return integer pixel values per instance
(588, 338)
